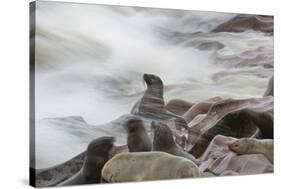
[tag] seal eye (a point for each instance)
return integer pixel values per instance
(147, 78)
(233, 146)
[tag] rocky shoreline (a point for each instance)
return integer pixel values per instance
(203, 129)
(211, 126)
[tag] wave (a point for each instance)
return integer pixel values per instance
(90, 58)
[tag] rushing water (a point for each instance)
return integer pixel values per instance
(90, 58)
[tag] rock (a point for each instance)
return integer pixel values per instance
(178, 106)
(229, 173)
(242, 22)
(235, 118)
(210, 46)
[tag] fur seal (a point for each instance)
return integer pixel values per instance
(152, 101)
(253, 146)
(137, 139)
(163, 141)
(96, 155)
(262, 119)
(143, 166)
(152, 104)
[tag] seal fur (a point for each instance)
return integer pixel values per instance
(253, 146)
(96, 155)
(137, 138)
(143, 166)
(163, 141)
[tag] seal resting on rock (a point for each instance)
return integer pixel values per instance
(143, 166)
(219, 160)
(137, 139)
(163, 141)
(253, 146)
(97, 154)
(152, 104)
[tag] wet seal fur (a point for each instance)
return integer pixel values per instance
(96, 155)
(253, 146)
(163, 141)
(143, 166)
(152, 104)
(137, 138)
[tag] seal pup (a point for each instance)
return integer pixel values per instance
(163, 141)
(137, 138)
(152, 104)
(253, 146)
(96, 155)
(144, 166)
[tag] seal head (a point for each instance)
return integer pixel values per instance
(163, 140)
(137, 139)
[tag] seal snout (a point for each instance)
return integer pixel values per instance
(234, 146)
(147, 78)
(103, 143)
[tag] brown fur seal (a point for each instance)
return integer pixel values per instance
(152, 101)
(52, 176)
(262, 119)
(137, 139)
(143, 166)
(152, 104)
(97, 154)
(163, 141)
(253, 146)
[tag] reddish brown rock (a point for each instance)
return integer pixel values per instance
(236, 118)
(178, 106)
(243, 22)
(207, 174)
(229, 173)
(200, 108)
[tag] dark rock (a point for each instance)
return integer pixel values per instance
(242, 23)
